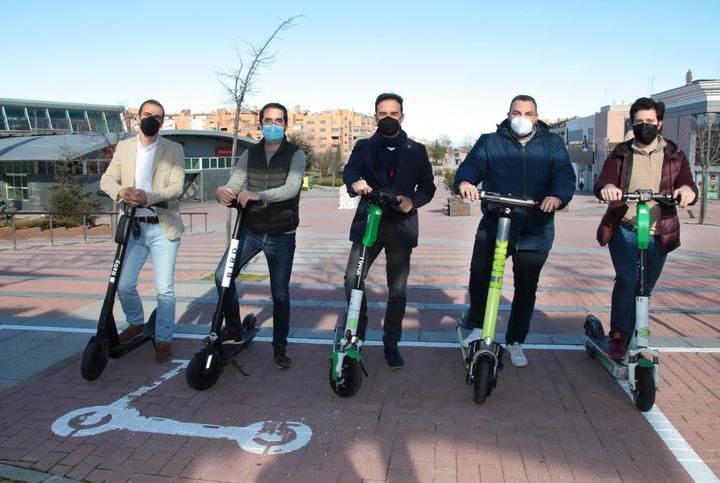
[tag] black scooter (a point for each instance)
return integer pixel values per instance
(105, 343)
(206, 365)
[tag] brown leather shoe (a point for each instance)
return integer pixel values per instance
(163, 351)
(131, 333)
(617, 346)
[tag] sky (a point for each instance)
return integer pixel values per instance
(456, 63)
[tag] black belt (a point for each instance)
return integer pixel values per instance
(147, 219)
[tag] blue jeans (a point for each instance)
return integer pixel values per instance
(624, 254)
(163, 253)
(279, 252)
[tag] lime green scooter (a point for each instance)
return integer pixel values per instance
(346, 367)
(483, 357)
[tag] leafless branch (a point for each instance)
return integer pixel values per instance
(239, 81)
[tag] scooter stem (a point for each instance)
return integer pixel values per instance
(497, 273)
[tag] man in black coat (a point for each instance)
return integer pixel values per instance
(388, 161)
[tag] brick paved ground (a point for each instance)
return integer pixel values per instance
(562, 418)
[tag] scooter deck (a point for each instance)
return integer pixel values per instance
(598, 350)
(229, 351)
(148, 335)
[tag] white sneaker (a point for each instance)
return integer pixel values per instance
(517, 358)
(472, 337)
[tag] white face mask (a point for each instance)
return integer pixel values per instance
(522, 126)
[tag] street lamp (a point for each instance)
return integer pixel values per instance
(709, 122)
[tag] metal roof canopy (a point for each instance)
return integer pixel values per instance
(51, 147)
(59, 105)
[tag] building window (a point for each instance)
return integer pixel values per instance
(114, 122)
(39, 118)
(16, 119)
(16, 186)
(97, 121)
(322, 121)
(78, 121)
(205, 163)
(46, 167)
(59, 119)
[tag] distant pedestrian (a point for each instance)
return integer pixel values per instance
(581, 185)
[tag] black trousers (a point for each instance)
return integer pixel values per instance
(397, 259)
(526, 273)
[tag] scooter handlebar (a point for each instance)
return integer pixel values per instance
(386, 200)
(234, 204)
(639, 196)
(507, 200)
(382, 198)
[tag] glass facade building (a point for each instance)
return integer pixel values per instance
(25, 118)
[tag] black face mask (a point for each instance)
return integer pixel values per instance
(645, 132)
(149, 126)
(389, 126)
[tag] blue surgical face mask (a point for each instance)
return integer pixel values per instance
(273, 133)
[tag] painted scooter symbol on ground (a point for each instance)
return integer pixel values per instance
(263, 437)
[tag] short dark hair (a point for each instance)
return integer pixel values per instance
(153, 102)
(646, 104)
(273, 105)
(389, 95)
(525, 98)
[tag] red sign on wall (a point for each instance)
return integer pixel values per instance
(222, 151)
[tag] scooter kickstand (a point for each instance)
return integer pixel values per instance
(238, 367)
(362, 367)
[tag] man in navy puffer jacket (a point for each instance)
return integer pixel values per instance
(522, 158)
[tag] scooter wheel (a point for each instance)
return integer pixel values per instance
(644, 393)
(198, 375)
(483, 383)
(350, 379)
(594, 328)
(249, 322)
(94, 359)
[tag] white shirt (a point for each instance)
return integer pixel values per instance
(144, 159)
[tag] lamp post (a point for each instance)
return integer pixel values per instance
(707, 127)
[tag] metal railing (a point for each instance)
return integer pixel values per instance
(112, 214)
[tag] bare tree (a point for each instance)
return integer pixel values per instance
(239, 81)
(439, 149)
(707, 153)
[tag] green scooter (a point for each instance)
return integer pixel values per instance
(346, 367)
(483, 357)
(640, 366)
